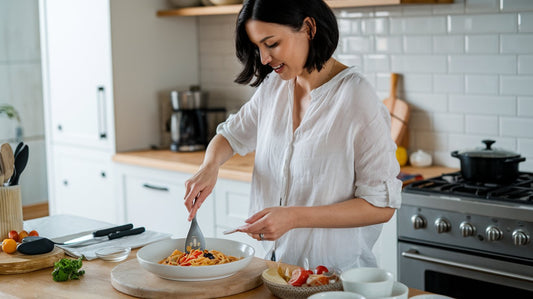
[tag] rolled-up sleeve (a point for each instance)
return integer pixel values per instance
(376, 167)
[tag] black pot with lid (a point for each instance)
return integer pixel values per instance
(489, 165)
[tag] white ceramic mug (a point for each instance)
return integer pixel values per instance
(367, 281)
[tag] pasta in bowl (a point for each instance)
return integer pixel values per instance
(151, 255)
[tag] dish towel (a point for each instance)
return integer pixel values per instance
(134, 241)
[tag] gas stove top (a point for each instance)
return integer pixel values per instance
(453, 184)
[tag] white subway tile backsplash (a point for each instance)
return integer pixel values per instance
(525, 106)
(443, 157)
(376, 63)
(471, 141)
(417, 44)
(525, 147)
(525, 22)
(482, 84)
(457, 7)
(448, 83)
(516, 85)
(517, 127)
(418, 25)
(430, 141)
(429, 102)
(516, 5)
(416, 83)
(525, 64)
(375, 26)
(389, 44)
(419, 63)
(350, 59)
(516, 43)
(482, 44)
(357, 44)
(420, 121)
(354, 12)
(481, 125)
(388, 11)
(492, 105)
(490, 23)
(349, 26)
(448, 123)
(482, 6)
(449, 44)
(482, 64)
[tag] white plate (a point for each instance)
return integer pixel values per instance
(430, 296)
(151, 254)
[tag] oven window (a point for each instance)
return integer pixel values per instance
(463, 288)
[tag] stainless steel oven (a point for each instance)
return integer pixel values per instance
(467, 240)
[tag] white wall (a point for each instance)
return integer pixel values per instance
(20, 86)
(467, 69)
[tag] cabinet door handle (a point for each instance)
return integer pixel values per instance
(102, 124)
(158, 188)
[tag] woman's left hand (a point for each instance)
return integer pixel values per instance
(269, 224)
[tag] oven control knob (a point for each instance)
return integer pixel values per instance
(418, 221)
(442, 225)
(494, 233)
(520, 238)
(467, 229)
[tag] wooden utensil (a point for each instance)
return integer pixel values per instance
(399, 111)
(8, 161)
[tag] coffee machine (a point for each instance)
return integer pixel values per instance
(188, 126)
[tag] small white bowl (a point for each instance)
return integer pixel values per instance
(150, 255)
(336, 295)
(399, 291)
(368, 281)
(113, 253)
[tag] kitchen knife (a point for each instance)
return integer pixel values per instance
(104, 235)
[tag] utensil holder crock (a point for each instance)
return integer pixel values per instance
(10, 210)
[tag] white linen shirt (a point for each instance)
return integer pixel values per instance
(341, 150)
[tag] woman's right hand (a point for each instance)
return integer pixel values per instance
(198, 187)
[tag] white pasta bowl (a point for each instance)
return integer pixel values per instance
(150, 255)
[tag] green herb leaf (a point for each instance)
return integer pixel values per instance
(66, 269)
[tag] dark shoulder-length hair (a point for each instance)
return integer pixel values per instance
(289, 13)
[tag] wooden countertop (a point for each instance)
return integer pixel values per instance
(96, 283)
(237, 168)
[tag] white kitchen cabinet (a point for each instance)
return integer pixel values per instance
(154, 199)
(87, 192)
(104, 65)
(232, 200)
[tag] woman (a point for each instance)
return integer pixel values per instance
(325, 166)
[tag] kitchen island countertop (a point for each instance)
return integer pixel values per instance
(237, 168)
(96, 283)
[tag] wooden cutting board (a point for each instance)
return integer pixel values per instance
(21, 263)
(130, 278)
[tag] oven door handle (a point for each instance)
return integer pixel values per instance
(414, 254)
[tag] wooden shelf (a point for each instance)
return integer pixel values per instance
(234, 9)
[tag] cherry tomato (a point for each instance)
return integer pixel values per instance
(299, 277)
(23, 234)
(33, 233)
(9, 246)
(14, 235)
(321, 269)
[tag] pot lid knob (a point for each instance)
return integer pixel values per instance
(488, 143)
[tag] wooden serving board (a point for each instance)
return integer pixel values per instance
(130, 278)
(22, 263)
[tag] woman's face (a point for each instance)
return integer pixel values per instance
(280, 46)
